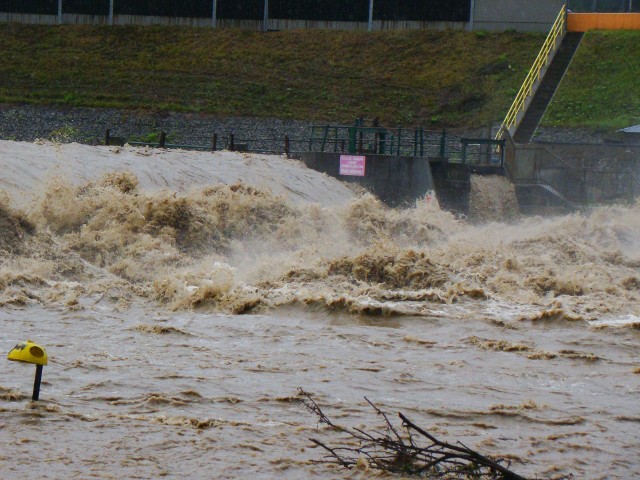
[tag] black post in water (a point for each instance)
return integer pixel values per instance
(36, 383)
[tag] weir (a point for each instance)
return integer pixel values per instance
(400, 165)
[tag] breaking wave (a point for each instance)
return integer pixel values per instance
(237, 248)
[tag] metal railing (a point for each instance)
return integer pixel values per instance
(482, 152)
(527, 90)
(411, 142)
(377, 140)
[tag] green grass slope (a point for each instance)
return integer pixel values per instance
(440, 78)
(602, 87)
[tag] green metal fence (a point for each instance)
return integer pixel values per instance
(377, 140)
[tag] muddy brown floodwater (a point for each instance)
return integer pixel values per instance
(181, 321)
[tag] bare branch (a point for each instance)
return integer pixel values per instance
(397, 452)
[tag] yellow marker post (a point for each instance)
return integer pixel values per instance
(30, 352)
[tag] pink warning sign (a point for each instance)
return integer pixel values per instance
(352, 165)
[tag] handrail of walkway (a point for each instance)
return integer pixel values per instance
(550, 45)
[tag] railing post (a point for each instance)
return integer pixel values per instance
(214, 14)
(370, 23)
(163, 139)
(422, 141)
(415, 142)
(287, 146)
(463, 153)
(214, 142)
(443, 143)
(583, 193)
(106, 137)
(60, 12)
(110, 19)
(325, 137)
(232, 145)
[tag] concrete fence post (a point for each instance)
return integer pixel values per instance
(265, 18)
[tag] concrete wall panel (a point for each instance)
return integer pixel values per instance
(497, 15)
(521, 15)
(397, 181)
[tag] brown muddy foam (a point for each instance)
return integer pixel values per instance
(502, 356)
(238, 249)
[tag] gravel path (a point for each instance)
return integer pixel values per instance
(88, 125)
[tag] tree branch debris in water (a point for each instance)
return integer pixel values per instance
(409, 451)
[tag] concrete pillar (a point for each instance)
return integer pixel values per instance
(214, 14)
(110, 21)
(370, 25)
(265, 19)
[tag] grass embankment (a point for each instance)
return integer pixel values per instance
(442, 78)
(434, 78)
(602, 87)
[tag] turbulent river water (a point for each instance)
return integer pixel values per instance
(182, 313)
